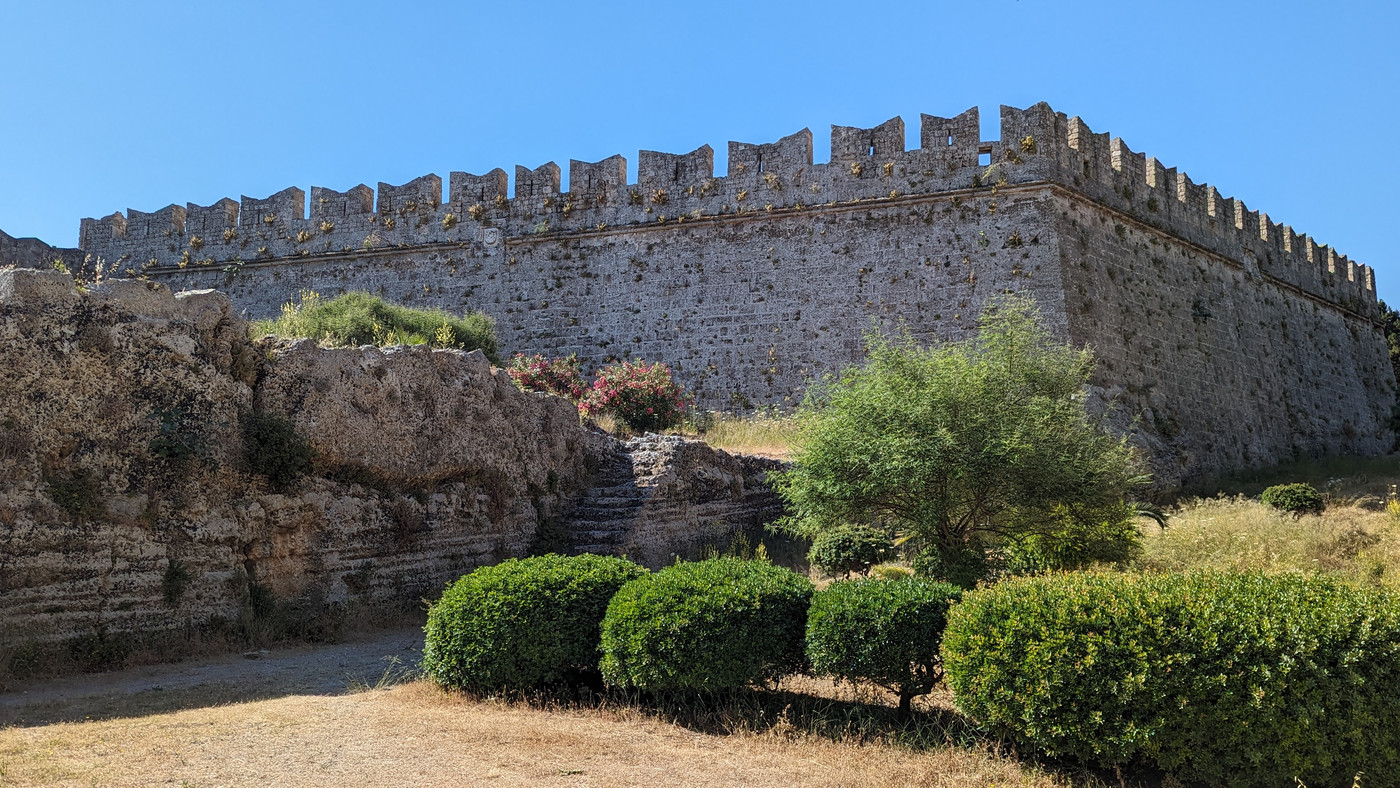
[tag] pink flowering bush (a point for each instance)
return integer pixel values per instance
(640, 395)
(561, 376)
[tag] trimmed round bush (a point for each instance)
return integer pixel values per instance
(849, 548)
(886, 632)
(1297, 498)
(523, 623)
(724, 623)
(1241, 679)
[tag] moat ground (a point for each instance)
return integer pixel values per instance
(313, 717)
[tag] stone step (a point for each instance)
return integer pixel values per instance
(614, 524)
(622, 489)
(598, 549)
(599, 536)
(610, 502)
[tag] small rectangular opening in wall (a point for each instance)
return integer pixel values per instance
(950, 140)
(984, 159)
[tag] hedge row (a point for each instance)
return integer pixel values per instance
(1222, 678)
(1228, 679)
(709, 625)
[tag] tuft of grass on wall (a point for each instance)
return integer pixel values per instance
(358, 318)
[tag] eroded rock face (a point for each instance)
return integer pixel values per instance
(696, 499)
(661, 497)
(127, 503)
(130, 505)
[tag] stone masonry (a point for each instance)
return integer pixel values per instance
(1225, 339)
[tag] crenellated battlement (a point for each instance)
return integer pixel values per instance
(466, 189)
(1037, 146)
(279, 210)
(330, 205)
(423, 193)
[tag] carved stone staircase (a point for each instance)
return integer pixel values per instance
(601, 520)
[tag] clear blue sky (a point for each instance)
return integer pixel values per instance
(1291, 107)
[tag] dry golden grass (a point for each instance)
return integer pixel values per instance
(762, 434)
(416, 734)
(1352, 539)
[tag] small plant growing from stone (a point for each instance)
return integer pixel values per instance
(449, 221)
(327, 226)
(174, 582)
(303, 236)
(78, 493)
(660, 197)
(196, 243)
(274, 449)
(230, 234)
(476, 212)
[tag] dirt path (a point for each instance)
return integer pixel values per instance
(300, 670)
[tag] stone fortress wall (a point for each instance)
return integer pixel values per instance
(1226, 338)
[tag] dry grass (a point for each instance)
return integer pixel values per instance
(1356, 540)
(415, 734)
(766, 435)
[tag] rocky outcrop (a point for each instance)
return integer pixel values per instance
(128, 502)
(660, 497)
(132, 501)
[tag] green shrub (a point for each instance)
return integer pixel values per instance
(523, 623)
(642, 396)
(886, 632)
(724, 623)
(1071, 542)
(358, 318)
(560, 376)
(1297, 498)
(273, 447)
(79, 493)
(1227, 678)
(849, 548)
(961, 447)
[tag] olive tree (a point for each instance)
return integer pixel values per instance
(973, 452)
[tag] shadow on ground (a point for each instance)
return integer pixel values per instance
(364, 661)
